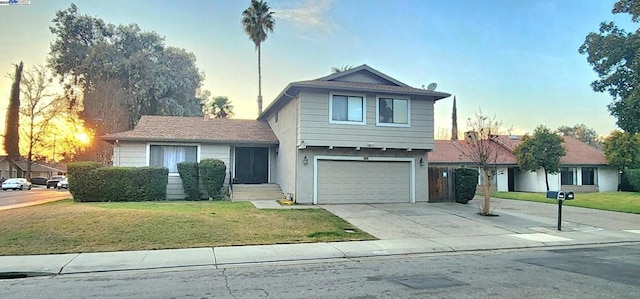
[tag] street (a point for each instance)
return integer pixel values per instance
(37, 195)
(562, 272)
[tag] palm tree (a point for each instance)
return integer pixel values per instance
(341, 69)
(221, 107)
(257, 20)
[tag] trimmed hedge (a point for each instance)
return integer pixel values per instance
(81, 176)
(190, 180)
(102, 184)
(212, 173)
(631, 178)
(466, 181)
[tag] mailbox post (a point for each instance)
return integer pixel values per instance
(560, 196)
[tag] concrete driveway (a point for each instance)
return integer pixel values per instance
(439, 220)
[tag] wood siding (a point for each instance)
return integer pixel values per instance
(315, 130)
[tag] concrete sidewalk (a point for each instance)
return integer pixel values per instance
(419, 228)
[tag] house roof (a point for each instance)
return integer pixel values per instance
(340, 82)
(578, 152)
(197, 129)
(36, 166)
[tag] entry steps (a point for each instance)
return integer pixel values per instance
(245, 192)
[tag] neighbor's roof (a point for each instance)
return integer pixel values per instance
(458, 151)
(336, 82)
(36, 166)
(197, 129)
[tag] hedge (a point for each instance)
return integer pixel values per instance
(81, 176)
(212, 173)
(104, 184)
(190, 180)
(466, 182)
(631, 178)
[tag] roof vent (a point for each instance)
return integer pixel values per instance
(514, 137)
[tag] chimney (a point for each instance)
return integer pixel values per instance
(454, 121)
(206, 117)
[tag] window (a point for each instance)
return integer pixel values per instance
(588, 175)
(347, 109)
(567, 176)
(393, 112)
(170, 155)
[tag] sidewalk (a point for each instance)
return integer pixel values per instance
(507, 233)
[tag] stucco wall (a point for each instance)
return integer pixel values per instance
(284, 166)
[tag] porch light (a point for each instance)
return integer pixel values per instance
(305, 160)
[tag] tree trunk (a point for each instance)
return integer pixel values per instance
(486, 203)
(11, 135)
(546, 178)
(259, 83)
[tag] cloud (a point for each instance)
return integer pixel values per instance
(309, 14)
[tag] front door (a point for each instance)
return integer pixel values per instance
(252, 165)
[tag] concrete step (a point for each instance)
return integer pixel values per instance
(242, 192)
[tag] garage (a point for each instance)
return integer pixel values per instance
(363, 181)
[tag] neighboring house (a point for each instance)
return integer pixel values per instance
(583, 169)
(19, 169)
(358, 136)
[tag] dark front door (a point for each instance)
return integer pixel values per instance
(252, 165)
(512, 179)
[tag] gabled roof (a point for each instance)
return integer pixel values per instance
(344, 81)
(197, 129)
(36, 166)
(578, 152)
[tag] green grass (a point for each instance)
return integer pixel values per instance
(628, 202)
(69, 227)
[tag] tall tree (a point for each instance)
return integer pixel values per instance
(221, 107)
(615, 57)
(454, 121)
(481, 148)
(39, 108)
(543, 151)
(11, 135)
(257, 21)
(622, 150)
(581, 132)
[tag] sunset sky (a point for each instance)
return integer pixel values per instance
(517, 60)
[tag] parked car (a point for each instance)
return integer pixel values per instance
(39, 181)
(64, 184)
(53, 181)
(16, 184)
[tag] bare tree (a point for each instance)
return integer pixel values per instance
(481, 148)
(38, 108)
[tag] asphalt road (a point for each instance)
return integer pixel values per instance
(576, 272)
(37, 195)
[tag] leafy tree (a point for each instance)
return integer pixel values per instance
(481, 148)
(221, 107)
(11, 135)
(39, 108)
(542, 150)
(615, 57)
(581, 132)
(157, 79)
(257, 21)
(622, 150)
(341, 69)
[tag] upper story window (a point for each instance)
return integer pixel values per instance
(170, 155)
(393, 112)
(347, 109)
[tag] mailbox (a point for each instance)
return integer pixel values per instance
(561, 195)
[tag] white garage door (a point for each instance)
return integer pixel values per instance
(363, 182)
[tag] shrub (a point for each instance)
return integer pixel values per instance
(212, 173)
(125, 184)
(631, 180)
(82, 179)
(466, 181)
(190, 181)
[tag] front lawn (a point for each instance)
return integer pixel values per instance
(69, 227)
(611, 201)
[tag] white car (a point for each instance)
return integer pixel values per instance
(64, 184)
(16, 184)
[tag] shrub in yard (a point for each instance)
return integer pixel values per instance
(82, 179)
(466, 181)
(127, 184)
(212, 173)
(632, 182)
(190, 181)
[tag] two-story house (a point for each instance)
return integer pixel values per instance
(357, 136)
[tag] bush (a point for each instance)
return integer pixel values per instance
(212, 173)
(125, 184)
(190, 181)
(466, 181)
(630, 180)
(81, 176)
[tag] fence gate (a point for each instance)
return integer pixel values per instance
(441, 184)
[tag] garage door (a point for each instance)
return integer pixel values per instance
(363, 182)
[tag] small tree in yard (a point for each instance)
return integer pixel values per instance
(481, 148)
(543, 151)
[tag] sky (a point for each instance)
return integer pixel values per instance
(515, 60)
